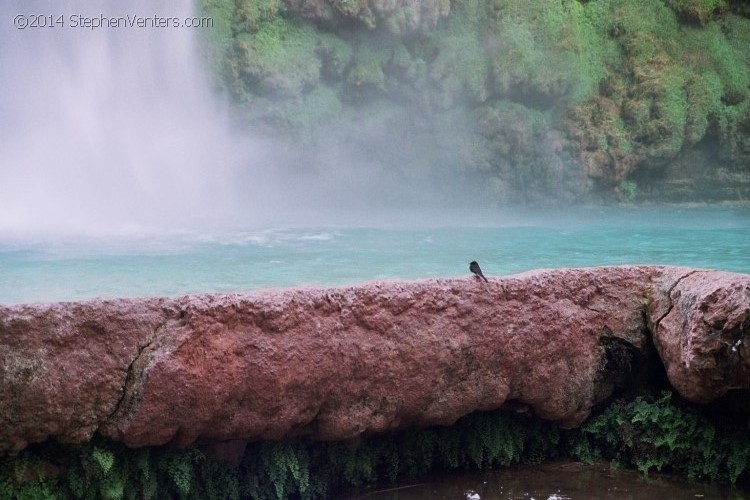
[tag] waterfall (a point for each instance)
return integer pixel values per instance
(107, 121)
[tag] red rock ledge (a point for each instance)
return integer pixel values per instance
(333, 363)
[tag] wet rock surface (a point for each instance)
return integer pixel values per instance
(335, 363)
(701, 331)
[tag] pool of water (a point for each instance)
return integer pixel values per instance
(563, 480)
(39, 268)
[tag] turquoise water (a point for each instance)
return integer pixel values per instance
(36, 268)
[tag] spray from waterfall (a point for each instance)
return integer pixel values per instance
(112, 127)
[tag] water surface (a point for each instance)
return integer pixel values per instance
(36, 268)
(557, 480)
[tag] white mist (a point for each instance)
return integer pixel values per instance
(112, 129)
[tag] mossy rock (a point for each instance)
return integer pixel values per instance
(357, 9)
(734, 134)
(397, 18)
(698, 11)
(336, 56)
(633, 84)
(366, 74)
(249, 15)
(279, 59)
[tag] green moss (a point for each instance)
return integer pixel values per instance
(357, 9)
(548, 48)
(628, 190)
(249, 15)
(403, 18)
(674, 77)
(703, 93)
(644, 29)
(644, 80)
(335, 54)
(682, 74)
(404, 66)
(736, 29)
(697, 10)
(369, 59)
(218, 37)
(279, 58)
(460, 67)
(517, 142)
(734, 131)
(730, 65)
(718, 76)
(671, 115)
(313, 109)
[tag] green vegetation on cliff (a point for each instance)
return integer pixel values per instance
(653, 93)
(656, 433)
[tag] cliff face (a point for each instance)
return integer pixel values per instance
(335, 363)
(538, 102)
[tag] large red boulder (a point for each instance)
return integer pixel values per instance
(701, 325)
(63, 366)
(335, 363)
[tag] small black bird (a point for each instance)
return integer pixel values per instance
(474, 268)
